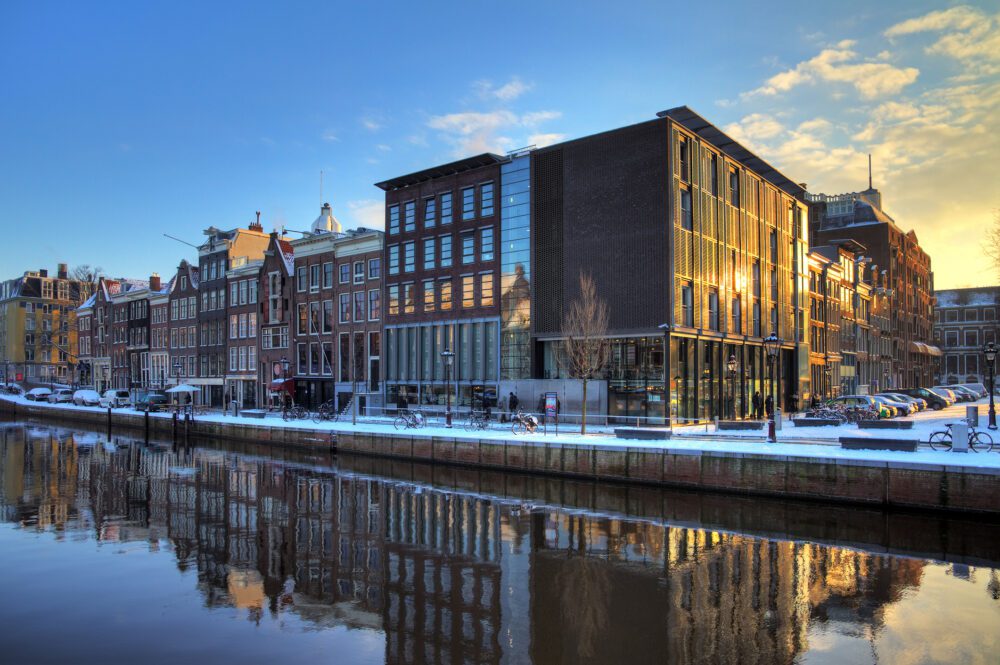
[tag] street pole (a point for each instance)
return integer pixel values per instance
(448, 356)
(990, 351)
(771, 346)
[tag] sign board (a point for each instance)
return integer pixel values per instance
(551, 405)
(19, 377)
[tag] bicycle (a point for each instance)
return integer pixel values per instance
(409, 420)
(522, 423)
(326, 411)
(977, 439)
(477, 420)
(295, 413)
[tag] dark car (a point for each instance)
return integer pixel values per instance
(934, 400)
(152, 402)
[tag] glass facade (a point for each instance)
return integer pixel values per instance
(515, 269)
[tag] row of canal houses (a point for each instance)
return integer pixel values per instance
(259, 316)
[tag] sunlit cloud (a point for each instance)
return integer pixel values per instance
(505, 93)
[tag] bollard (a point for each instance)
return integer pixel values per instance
(146, 425)
(109, 423)
(959, 438)
(174, 419)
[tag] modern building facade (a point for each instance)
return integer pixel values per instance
(965, 320)
(904, 271)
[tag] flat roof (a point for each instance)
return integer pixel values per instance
(451, 168)
(706, 130)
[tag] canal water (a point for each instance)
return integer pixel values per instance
(124, 551)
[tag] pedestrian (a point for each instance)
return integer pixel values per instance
(502, 407)
(814, 401)
(758, 405)
(793, 404)
(769, 406)
(512, 403)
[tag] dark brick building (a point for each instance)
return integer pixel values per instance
(965, 320)
(183, 324)
(276, 293)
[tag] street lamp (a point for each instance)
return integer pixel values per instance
(177, 370)
(771, 345)
(733, 367)
(448, 357)
(990, 351)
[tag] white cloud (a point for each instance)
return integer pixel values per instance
(330, 136)
(488, 131)
(838, 65)
(369, 213)
(381, 147)
(967, 35)
(542, 140)
(505, 93)
(371, 123)
(961, 18)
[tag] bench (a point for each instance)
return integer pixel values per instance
(858, 443)
(740, 425)
(815, 422)
(254, 413)
(885, 424)
(649, 434)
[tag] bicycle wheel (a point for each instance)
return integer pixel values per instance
(517, 427)
(981, 442)
(940, 441)
(400, 422)
(320, 415)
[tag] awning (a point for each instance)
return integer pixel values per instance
(933, 350)
(288, 385)
(918, 347)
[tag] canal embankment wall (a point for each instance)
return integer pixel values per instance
(863, 481)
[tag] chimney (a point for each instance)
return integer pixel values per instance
(43, 272)
(154, 282)
(63, 271)
(256, 226)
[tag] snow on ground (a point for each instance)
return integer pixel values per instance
(812, 442)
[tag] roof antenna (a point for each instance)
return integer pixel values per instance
(869, 170)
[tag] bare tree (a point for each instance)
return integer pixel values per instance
(585, 346)
(87, 273)
(991, 246)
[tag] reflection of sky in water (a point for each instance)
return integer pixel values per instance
(139, 554)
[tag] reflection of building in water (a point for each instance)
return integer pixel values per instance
(443, 577)
(448, 576)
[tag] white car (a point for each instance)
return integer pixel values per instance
(86, 397)
(38, 394)
(61, 395)
(116, 398)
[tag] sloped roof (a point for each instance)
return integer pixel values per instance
(287, 255)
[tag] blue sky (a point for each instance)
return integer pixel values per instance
(124, 121)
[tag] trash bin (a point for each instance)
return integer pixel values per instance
(972, 416)
(777, 418)
(235, 407)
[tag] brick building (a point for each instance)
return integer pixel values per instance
(904, 271)
(159, 332)
(965, 320)
(242, 338)
(276, 307)
(183, 324)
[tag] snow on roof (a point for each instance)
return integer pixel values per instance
(89, 302)
(973, 297)
(287, 255)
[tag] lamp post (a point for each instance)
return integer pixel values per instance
(448, 356)
(732, 367)
(665, 327)
(990, 351)
(177, 371)
(771, 345)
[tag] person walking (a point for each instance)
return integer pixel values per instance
(758, 405)
(512, 403)
(502, 407)
(769, 406)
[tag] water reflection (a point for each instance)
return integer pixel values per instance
(448, 576)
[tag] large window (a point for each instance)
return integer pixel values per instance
(409, 256)
(734, 187)
(486, 199)
(486, 245)
(469, 203)
(409, 215)
(409, 298)
(429, 299)
(393, 220)
(328, 275)
(359, 272)
(446, 208)
(302, 319)
(486, 289)
(430, 212)
(393, 300)
(687, 305)
(684, 154)
(445, 287)
(374, 305)
(300, 279)
(468, 248)
(445, 251)
(687, 219)
(737, 327)
(314, 278)
(359, 305)
(374, 268)
(468, 291)
(429, 253)
(393, 259)
(713, 309)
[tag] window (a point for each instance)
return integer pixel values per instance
(444, 286)
(951, 315)
(430, 212)
(302, 363)
(468, 248)
(374, 268)
(232, 359)
(302, 319)
(774, 247)
(393, 220)
(737, 315)
(327, 316)
(409, 302)
(429, 299)
(314, 278)
(409, 256)
(345, 307)
(446, 208)
(468, 203)
(468, 291)
(359, 272)
(429, 253)
(774, 285)
(687, 305)
(234, 290)
(734, 187)
(486, 245)
(328, 275)
(445, 251)
(989, 314)
(486, 289)
(252, 291)
(244, 284)
(684, 154)
(971, 315)
(687, 219)
(393, 259)
(714, 174)
(756, 278)
(243, 358)
(756, 319)
(345, 270)
(273, 298)
(359, 305)
(394, 300)
(374, 305)
(233, 326)
(184, 282)
(486, 199)
(774, 319)
(252, 324)
(300, 279)
(409, 215)
(713, 309)
(972, 338)
(314, 322)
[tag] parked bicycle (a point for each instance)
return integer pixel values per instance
(979, 441)
(477, 420)
(295, 412)
(326, 411)
(523, 423)
(409, 420)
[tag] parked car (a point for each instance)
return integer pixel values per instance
(38, 394)
(116, 398)
(901, 407)
(934, 400)
(862, 402)
(60, 395)
(958, 395)
(949, 396)
(977, 388)
(964, 394)
(86, 397)
(152, 402)
(919, 403)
